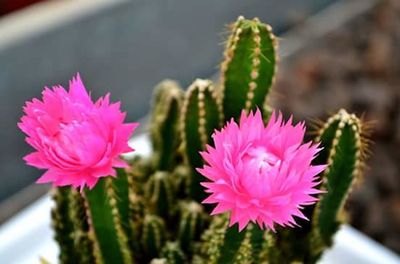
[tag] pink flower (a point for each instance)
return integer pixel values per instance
(76, 140)
(261, 173)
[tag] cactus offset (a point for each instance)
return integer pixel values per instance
(152, 212)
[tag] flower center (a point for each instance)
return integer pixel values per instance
(262, 159)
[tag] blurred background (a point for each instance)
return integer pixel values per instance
(334, 54)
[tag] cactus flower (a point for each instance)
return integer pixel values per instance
(261, 174)
(77, 141)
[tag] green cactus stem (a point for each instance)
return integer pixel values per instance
(224, 244)
(138, 173)
(213, 239)
(106, 221)
(82, 242)
(342, 138)
(153, 235)
(181, 176)
(200, 116)
(164, 123)
(244, 254)
(249, 67)
(191, 224)
(160, 194)
(63, 225)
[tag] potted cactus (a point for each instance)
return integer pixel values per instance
(229, 180)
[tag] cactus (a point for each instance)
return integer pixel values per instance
(343, 137)
(153, 235)
(160, 195)
(63, 225)
(152, 212)
(201, 114)
(173, 253)
(191, 224)
(248, 70)
(164, 123)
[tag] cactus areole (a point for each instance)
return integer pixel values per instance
(228, 181)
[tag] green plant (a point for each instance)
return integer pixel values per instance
(151, 212)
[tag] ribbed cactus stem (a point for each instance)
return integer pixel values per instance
(160, 194)
(136, 215)
(249, 67)
(106, 224)
(82, 242)
(224, 244)
(181, 176)
(270, 251)
(164, 123)
(201, 114)
(173, 253)
(138, 174)
(191, 224)
(63, 225)
(343, 145)
(153, 235)
(213, 240)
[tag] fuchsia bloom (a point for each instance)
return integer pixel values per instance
(76, 140)
(261, 173)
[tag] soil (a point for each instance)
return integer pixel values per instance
(357, 67)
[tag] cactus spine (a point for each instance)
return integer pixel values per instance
(151, 213)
